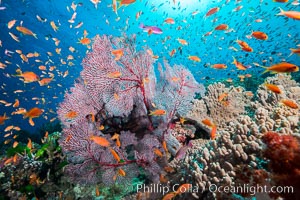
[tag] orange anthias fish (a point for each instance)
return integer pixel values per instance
(26, 31)
(121, 172)
(158, 112)
(71, 114)
(27, 76)
(213, 133)
(238, 65)
(259, 35)
(118, 53)
(115, 74)
(182, 41)
(169, 21)
(54, 27)
(194, 58)
(282, 68)
(207, 122)
(212, 11)
(290, 14)
(290, 103)
(84, 41)
(273, 88)
(169, 196)
(126, 2)
(115, 155)
(100, 140)
(3, 118)
(219, 66)
(33, 113)
(45, 81)
(221, 27)
(157, 152)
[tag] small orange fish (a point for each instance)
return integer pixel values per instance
(212, 11)
(28, 77)
(11, 23)
(33, 113)
(172, 52)
(100, 140)
(273, 88)
(71, 114)
(16, 104)
(213, 132)
(97, 191)
(115, 155)
(15, 144)
(3, 118)
(126, 2)
(84, 41)
(45, 81)
(26, 31)
(14, 37)
(158, 112)
(158, 152)
(207, 122)
(53, 25)
(164, 145)
(194, 58)
(8, 128)
(238, 65)
(182, 41)
(259, 35)
(282, 68)
(219, 66)
(290, 103)
(29, 144)
(290, 14)
(169, 196)
(121, 172)
(221, 27)
(222, 96)
(115, 74)
(118, 53)
(169, 21)
(184, 188)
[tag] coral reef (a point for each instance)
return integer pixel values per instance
(236, 157)
(117, 101)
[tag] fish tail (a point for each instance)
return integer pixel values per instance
(141, 26)
(281, 11)
(34, 35)
(264, 71)
(292, 52)
(234, 60)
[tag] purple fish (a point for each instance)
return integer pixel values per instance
(151, 29)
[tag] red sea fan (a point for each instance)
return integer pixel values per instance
(116, 95)
(135, 71)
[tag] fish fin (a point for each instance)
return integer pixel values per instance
(31, 121)
(281, 11)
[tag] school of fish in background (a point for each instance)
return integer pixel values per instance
(43, 43)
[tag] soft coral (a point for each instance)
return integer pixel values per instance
(284, 154)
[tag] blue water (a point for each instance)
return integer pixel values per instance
(283, 34)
